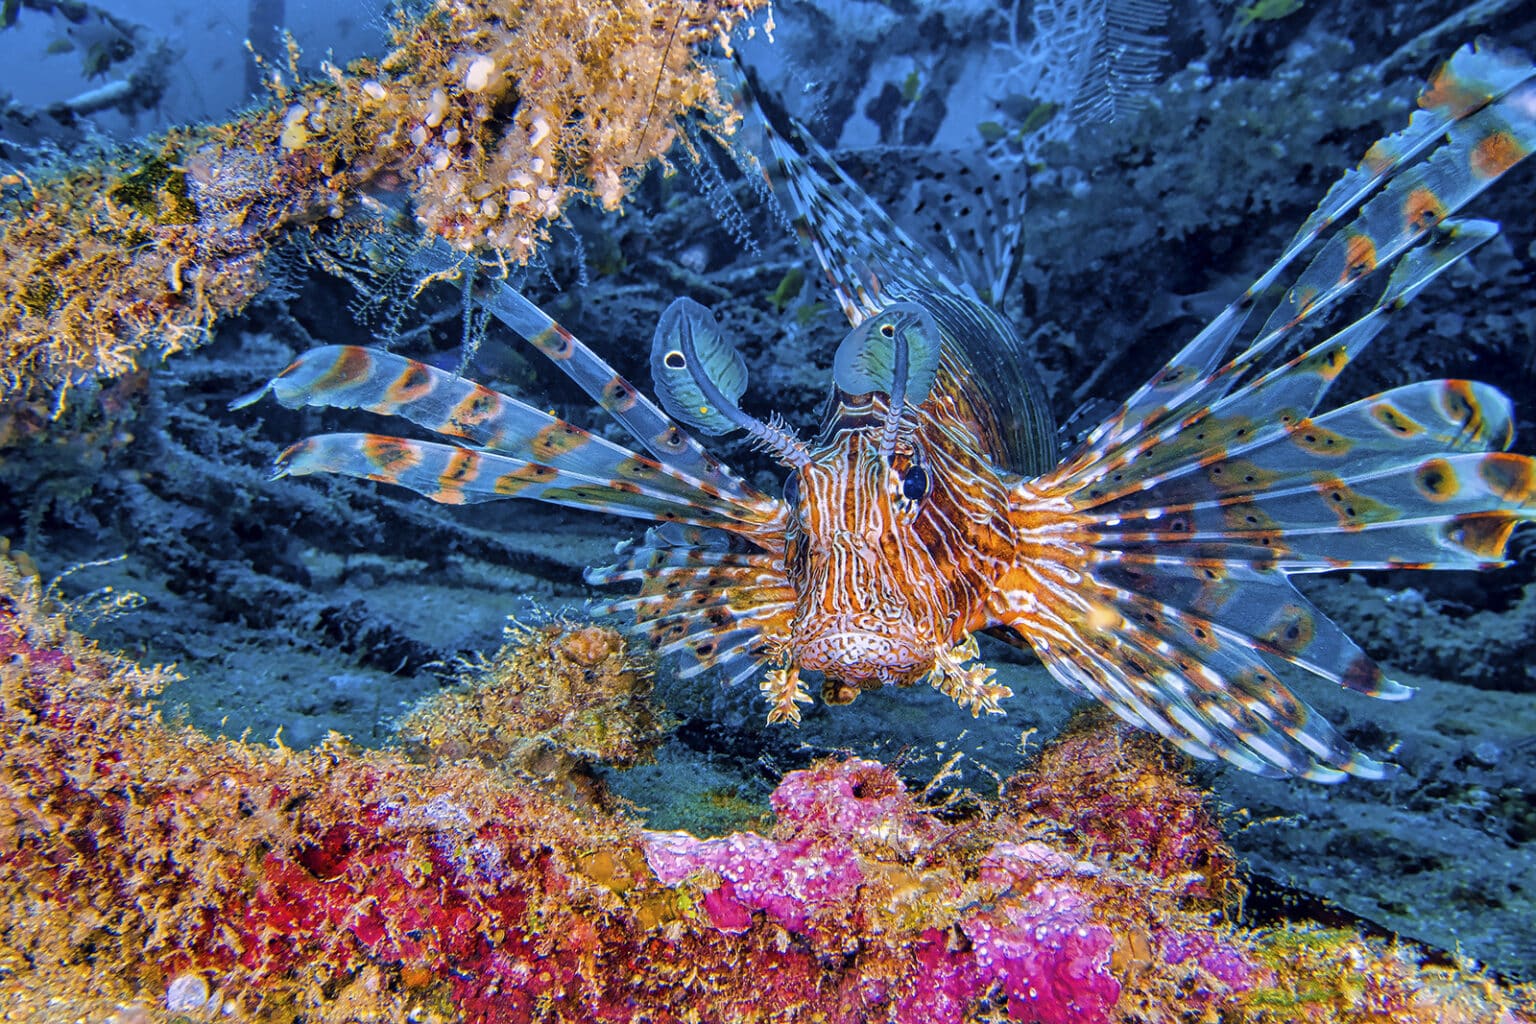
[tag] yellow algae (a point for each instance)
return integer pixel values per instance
(135, 256)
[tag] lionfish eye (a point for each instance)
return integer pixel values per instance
(915, 484)
(888, 330)
(792, 489)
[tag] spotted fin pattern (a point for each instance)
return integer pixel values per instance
(1154, 571)
(520, 451)
(1151, 569)
(506, 448)
(659, 434)
(1481, 101)
(698, 597)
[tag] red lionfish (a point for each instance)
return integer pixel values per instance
(1148, 568)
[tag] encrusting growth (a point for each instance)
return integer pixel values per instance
(557, 698)
(490, 115)
(150, 872)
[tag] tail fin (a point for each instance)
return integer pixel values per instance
(1165, 542)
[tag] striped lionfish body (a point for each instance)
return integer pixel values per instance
(1149, 568)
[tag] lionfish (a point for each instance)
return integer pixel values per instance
(1149, 567)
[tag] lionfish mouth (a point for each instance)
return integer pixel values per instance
(865, 660)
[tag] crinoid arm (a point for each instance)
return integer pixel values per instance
(1155, 562)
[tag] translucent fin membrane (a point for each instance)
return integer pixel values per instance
(873, 264)
(1483, 103)
(1159, 554)
(713, 604)
(869, 260)
(520, 451)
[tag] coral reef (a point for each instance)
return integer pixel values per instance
(270, 597)
(491, 116)
(556, 699)
(1126, 795)
(149, 871)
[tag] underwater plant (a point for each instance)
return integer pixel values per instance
(1149, 568)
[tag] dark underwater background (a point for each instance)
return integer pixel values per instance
(296, 607)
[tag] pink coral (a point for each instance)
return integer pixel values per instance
(851, 796)
(1045, 953)
(788, 880)
(950, 982)
(1035, 942)
(1125, 795)
(1217, 957)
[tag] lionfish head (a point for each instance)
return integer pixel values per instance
(896, 525)
(877, 599)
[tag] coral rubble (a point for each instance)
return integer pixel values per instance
(490, 115)
(151, 871)
(1125, 795)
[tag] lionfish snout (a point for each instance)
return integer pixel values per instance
(865, 658)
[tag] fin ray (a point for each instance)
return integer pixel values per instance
(1160, 551)
(1478, 95)
(659, 434)
(454, 475)
(720, 608)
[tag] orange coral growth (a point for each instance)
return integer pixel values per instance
(496, 114)
(1124, 794)
(149, 872)
(556, 698)
(1322, 976)
(97, 259)
(491, 114)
